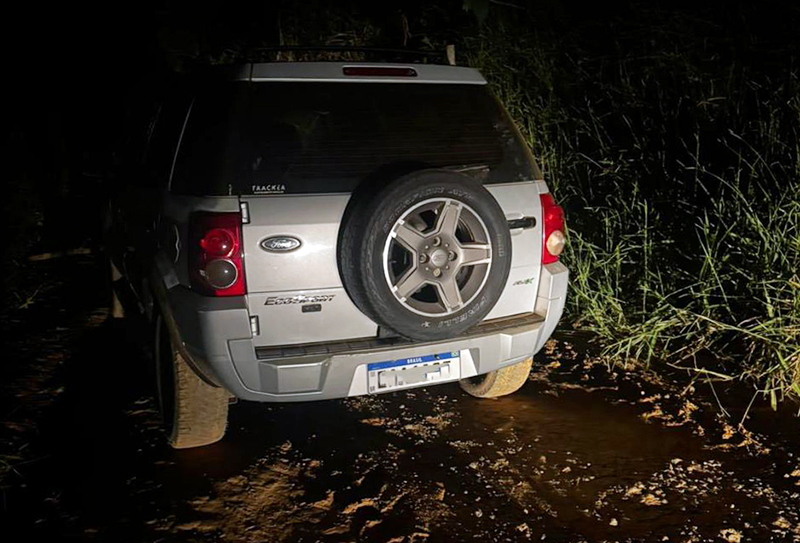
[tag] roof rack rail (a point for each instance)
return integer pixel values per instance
(447, 55)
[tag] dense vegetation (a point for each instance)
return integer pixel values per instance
(673, 143)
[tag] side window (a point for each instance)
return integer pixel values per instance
(162, 143)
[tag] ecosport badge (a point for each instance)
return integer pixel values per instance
(280, 244)
(299, 299)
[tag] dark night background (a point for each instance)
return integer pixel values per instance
(74, 70)
(670, 133)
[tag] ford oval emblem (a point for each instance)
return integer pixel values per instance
(280, 244)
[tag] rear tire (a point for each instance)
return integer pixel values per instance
(499, 382)
(194, 412)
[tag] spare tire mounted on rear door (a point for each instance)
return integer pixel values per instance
(426, 256)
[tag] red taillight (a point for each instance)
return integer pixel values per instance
(379, 71)
(216, 263)
(217, 242)
(553, 229)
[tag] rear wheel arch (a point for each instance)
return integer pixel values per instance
(162, 309)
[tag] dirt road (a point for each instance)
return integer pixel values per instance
(580, 454)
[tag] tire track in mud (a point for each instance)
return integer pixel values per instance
(378, 497)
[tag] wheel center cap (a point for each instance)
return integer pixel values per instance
(439, 257)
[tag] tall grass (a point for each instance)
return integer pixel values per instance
(679, 167)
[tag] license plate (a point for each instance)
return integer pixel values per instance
(407, 372)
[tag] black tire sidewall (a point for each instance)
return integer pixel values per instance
(381, 215)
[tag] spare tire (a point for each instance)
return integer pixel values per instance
(427, 256)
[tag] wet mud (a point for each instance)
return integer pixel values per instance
(582, 453)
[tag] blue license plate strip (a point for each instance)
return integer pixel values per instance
(412, 361)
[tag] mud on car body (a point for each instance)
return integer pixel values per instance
(307, 231)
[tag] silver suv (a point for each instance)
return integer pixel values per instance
(308, 231)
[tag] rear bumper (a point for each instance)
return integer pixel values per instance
(216, 335)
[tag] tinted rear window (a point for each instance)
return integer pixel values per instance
(277, 137)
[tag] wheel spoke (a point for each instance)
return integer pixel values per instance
(409, 283)
(409, 236)
(475, 253)
(448, 218)
(450, 294)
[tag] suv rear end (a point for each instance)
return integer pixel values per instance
(330, 230)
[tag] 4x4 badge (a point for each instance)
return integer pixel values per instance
(280, 244)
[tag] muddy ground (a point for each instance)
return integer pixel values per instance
(582, 453)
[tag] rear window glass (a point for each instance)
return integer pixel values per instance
(281, 137)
